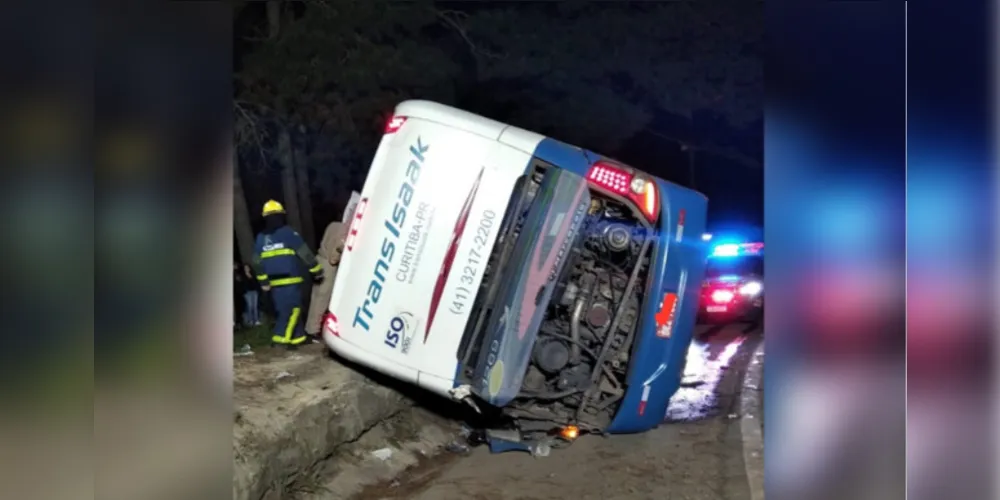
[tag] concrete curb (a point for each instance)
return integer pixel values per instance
(752, 423)
(294, 413)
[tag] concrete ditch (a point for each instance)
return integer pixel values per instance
(308, 426)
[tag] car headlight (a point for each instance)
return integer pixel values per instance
(751, 288)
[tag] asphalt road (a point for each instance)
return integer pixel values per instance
(695, 455)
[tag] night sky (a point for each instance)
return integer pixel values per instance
(726, 161)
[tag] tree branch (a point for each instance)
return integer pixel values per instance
(450, 17)
(250, 129)
(726, 153)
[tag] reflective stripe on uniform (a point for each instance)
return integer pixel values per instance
(289, 329)
(276, 253)
(281, 340)
(287, 281)
(261, 277)
(317, 268)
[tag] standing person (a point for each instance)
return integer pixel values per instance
(278, 254)
(330, 250)
(238, 287)
(251, 297)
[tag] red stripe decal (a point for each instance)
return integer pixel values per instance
(449, 257)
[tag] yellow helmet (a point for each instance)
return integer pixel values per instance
(273, 207)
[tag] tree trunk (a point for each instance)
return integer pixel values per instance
(273, 18)
(305, 197)
(241, 215)
(289, 187)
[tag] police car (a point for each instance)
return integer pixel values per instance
(733, 289)
(512, 272)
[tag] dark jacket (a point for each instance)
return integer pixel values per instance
(239, 282)
(279, 256)
(250, 283)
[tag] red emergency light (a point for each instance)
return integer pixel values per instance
(331, 324)
(393, 124)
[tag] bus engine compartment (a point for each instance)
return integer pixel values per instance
(575, 379)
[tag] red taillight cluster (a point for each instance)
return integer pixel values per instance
(638, 189)
(722, 296)
(352, 232)
(610, 178)
(394, 123)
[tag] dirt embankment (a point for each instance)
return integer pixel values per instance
(296, 413)
(310, 428)
(697, 454)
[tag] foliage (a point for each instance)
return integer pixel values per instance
(600, 65)
(340, 65)
(589, 73)
(254, 336)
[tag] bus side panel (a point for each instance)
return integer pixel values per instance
(420, 180)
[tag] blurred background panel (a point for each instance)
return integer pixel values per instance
(46, 259)
(162, 147)
(952, 252)
(834, 224)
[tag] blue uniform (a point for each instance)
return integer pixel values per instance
(278, 259)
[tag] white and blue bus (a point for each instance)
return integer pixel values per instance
(546, 283)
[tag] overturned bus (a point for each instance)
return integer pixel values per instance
(543, 284)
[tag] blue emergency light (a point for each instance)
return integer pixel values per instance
(737, 249)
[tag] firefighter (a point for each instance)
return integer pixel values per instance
(277, 254)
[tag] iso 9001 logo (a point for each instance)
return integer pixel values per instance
(400, 332)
